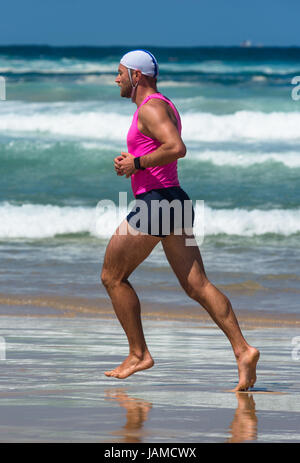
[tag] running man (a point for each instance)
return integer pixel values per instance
(154, 145)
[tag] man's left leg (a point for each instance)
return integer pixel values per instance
(187, 264)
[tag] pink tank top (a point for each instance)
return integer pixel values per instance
(139, 144)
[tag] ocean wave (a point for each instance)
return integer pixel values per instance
(249, 223)
(87, 120)
(34, 149)
(103, 79)
(70, 120)
(33, 221)
(61, 66)
(223, 67)
(43, 221)
(245, 159)
(66, 66)
(173, 83)
(242, 125)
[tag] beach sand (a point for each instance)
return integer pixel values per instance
(53, 387)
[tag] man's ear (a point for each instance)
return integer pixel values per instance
(138, 75)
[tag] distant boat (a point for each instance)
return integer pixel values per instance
(246, 43)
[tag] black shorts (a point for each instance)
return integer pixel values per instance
(162, 211)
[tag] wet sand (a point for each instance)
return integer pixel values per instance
(57, 305)
(53, 387)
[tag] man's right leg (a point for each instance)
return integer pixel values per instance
(123, 254)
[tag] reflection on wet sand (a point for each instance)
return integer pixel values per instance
(137, 414)
(244, 424)
(242, 428)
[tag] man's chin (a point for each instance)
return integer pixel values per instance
(125, 94)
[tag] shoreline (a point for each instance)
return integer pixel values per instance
(71, 307)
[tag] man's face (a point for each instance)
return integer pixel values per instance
(123, 82)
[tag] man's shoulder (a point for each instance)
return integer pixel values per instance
(154, 106)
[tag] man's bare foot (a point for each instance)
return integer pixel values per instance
(131, 365)
(247, 369)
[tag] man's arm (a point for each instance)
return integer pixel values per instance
(155, 122)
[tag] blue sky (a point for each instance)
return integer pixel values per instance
(164, 22)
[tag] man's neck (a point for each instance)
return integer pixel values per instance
(142, 93)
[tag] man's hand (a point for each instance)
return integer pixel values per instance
(124, 164)
(117, 165)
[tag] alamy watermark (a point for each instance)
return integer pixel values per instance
(157, 217)
(296, 90)
(296, 349)
(2, 88)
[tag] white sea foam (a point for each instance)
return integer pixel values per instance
(29, 148)
(91, 120)
(44, 221)
(103, 79)
(242, 125)
(67, 120)
(67, 66)
(60, 66)
(245, 159)
(250, 223)
(80, 66)
(223, 67)
(174, 83)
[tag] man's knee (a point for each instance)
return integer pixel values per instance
(106, 278)
(109, 279)
(197, 288)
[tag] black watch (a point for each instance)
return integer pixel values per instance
(137, 164)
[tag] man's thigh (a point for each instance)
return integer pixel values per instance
(126, 249)
(186, 261)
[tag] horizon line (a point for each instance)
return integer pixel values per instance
(147, 45)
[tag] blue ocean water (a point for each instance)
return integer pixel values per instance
(62, 124)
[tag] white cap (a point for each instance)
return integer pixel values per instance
(141, 60)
